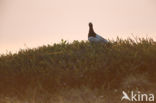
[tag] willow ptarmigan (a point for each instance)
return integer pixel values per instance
(93, 37)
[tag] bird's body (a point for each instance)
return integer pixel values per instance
(97, 39)
(93, 37)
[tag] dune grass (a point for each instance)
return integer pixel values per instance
(78, 72)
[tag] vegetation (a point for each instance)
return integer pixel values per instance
(78, 72)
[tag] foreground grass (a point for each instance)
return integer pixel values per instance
(78, 72)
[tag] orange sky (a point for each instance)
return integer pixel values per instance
(38, 22)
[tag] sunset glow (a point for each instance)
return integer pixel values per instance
(33, 23)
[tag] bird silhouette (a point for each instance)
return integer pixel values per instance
(125, 96)
(93, 37)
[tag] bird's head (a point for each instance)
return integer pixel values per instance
(90, 24)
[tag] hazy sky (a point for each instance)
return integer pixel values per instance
(37, 22)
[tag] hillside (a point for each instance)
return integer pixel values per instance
(78, 72)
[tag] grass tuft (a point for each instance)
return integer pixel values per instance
(52, 73)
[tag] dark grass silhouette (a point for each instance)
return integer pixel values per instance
(78, 72)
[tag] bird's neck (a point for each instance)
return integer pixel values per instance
(91, 32)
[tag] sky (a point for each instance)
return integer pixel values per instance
(33, 23)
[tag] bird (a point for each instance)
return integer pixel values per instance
(93, 37)
(125, 96)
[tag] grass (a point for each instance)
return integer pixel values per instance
(78, 72)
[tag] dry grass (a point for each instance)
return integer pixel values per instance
(78, 72)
